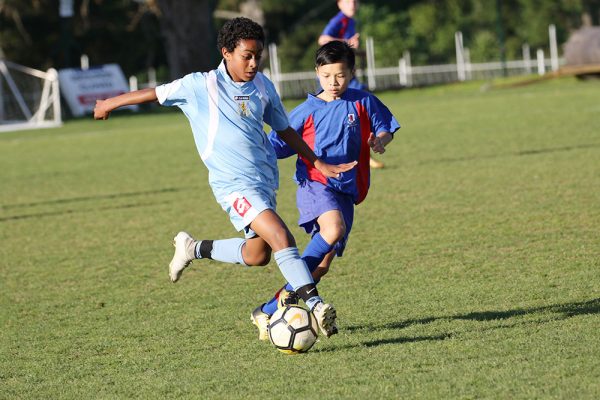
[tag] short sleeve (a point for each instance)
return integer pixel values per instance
(381, 118)
(180, 92)
(281, 148)
(274, 113)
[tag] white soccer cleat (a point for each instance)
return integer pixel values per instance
(326, 318)
(184, 254)
(261, 320)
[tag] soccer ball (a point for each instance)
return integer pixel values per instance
(292, 329)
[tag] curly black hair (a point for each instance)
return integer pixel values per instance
(237, 29)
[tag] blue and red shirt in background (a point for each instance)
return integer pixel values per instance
(340, 27)
(337, 131)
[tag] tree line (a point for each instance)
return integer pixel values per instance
(178, 36)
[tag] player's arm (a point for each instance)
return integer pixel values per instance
(352, 42)
(379, 141)
(104, 107)
(291, 137)
(324, 39)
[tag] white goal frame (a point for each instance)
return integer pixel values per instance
(29, 112)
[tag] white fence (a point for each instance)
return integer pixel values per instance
(297, 84)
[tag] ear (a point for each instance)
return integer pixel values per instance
(226, 54)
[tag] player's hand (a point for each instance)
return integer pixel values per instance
(354, 42)
(376, 144)
(100, 110)
(333, 171)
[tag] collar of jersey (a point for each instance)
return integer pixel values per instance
(313, 97)
(223, 70)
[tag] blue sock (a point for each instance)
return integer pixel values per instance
(225, 250)
(313, 255)
(315, 251)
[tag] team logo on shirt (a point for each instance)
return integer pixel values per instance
(241, 205)
(243, 106)
(351, 119)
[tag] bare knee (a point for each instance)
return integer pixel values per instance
(256, 252)
(333, 233)
(257, 259)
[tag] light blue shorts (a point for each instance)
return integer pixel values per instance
(243, 206)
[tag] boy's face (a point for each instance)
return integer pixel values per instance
(243, 61)
(334, 79)
(348, 7)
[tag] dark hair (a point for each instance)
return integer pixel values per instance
(238, 29)
(333, 52)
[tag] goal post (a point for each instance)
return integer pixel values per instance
(29, 98)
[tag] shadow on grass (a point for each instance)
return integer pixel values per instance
(83, 199)
(375, 343)
(563, 311)
(84, 210)
(88, 198)
(515, 153)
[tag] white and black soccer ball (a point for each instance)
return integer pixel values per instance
(293, 329)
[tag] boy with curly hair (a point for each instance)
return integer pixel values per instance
(226, 108)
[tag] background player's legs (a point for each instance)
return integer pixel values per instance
(323, 266)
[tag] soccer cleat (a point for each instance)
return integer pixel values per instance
(376, 164)
(184, 254)
(325, 315)
(287, 298)
(261, 320)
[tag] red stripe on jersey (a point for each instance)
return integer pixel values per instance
(344, 27)
(363, 169)
(308, 134)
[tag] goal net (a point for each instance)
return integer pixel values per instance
(29, 98)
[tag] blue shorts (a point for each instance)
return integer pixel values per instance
(313, 199)
(244, 206)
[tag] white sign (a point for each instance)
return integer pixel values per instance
(81, 88)
(65, 8)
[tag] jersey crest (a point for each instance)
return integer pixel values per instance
(351, 121)
(243, 106)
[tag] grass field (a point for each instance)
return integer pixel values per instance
(473, 269)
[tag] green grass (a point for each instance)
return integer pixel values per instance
(472, 271)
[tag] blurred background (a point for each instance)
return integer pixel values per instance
(177, 37)
(403, 43)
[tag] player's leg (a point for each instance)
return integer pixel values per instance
(273, 230)
(323, 267)
(332, 229)
(242, 251)
(251, 250)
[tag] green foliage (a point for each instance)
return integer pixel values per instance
(107, 31)
(126, 32)
(388, 30)
(297, 49)
(471, 270)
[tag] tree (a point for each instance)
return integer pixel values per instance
(188, 33)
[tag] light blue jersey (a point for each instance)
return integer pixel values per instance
(227, 119)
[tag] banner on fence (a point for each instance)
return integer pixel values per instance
(82, 87)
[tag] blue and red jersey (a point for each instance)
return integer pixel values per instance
(337, 131)
(340, 27)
